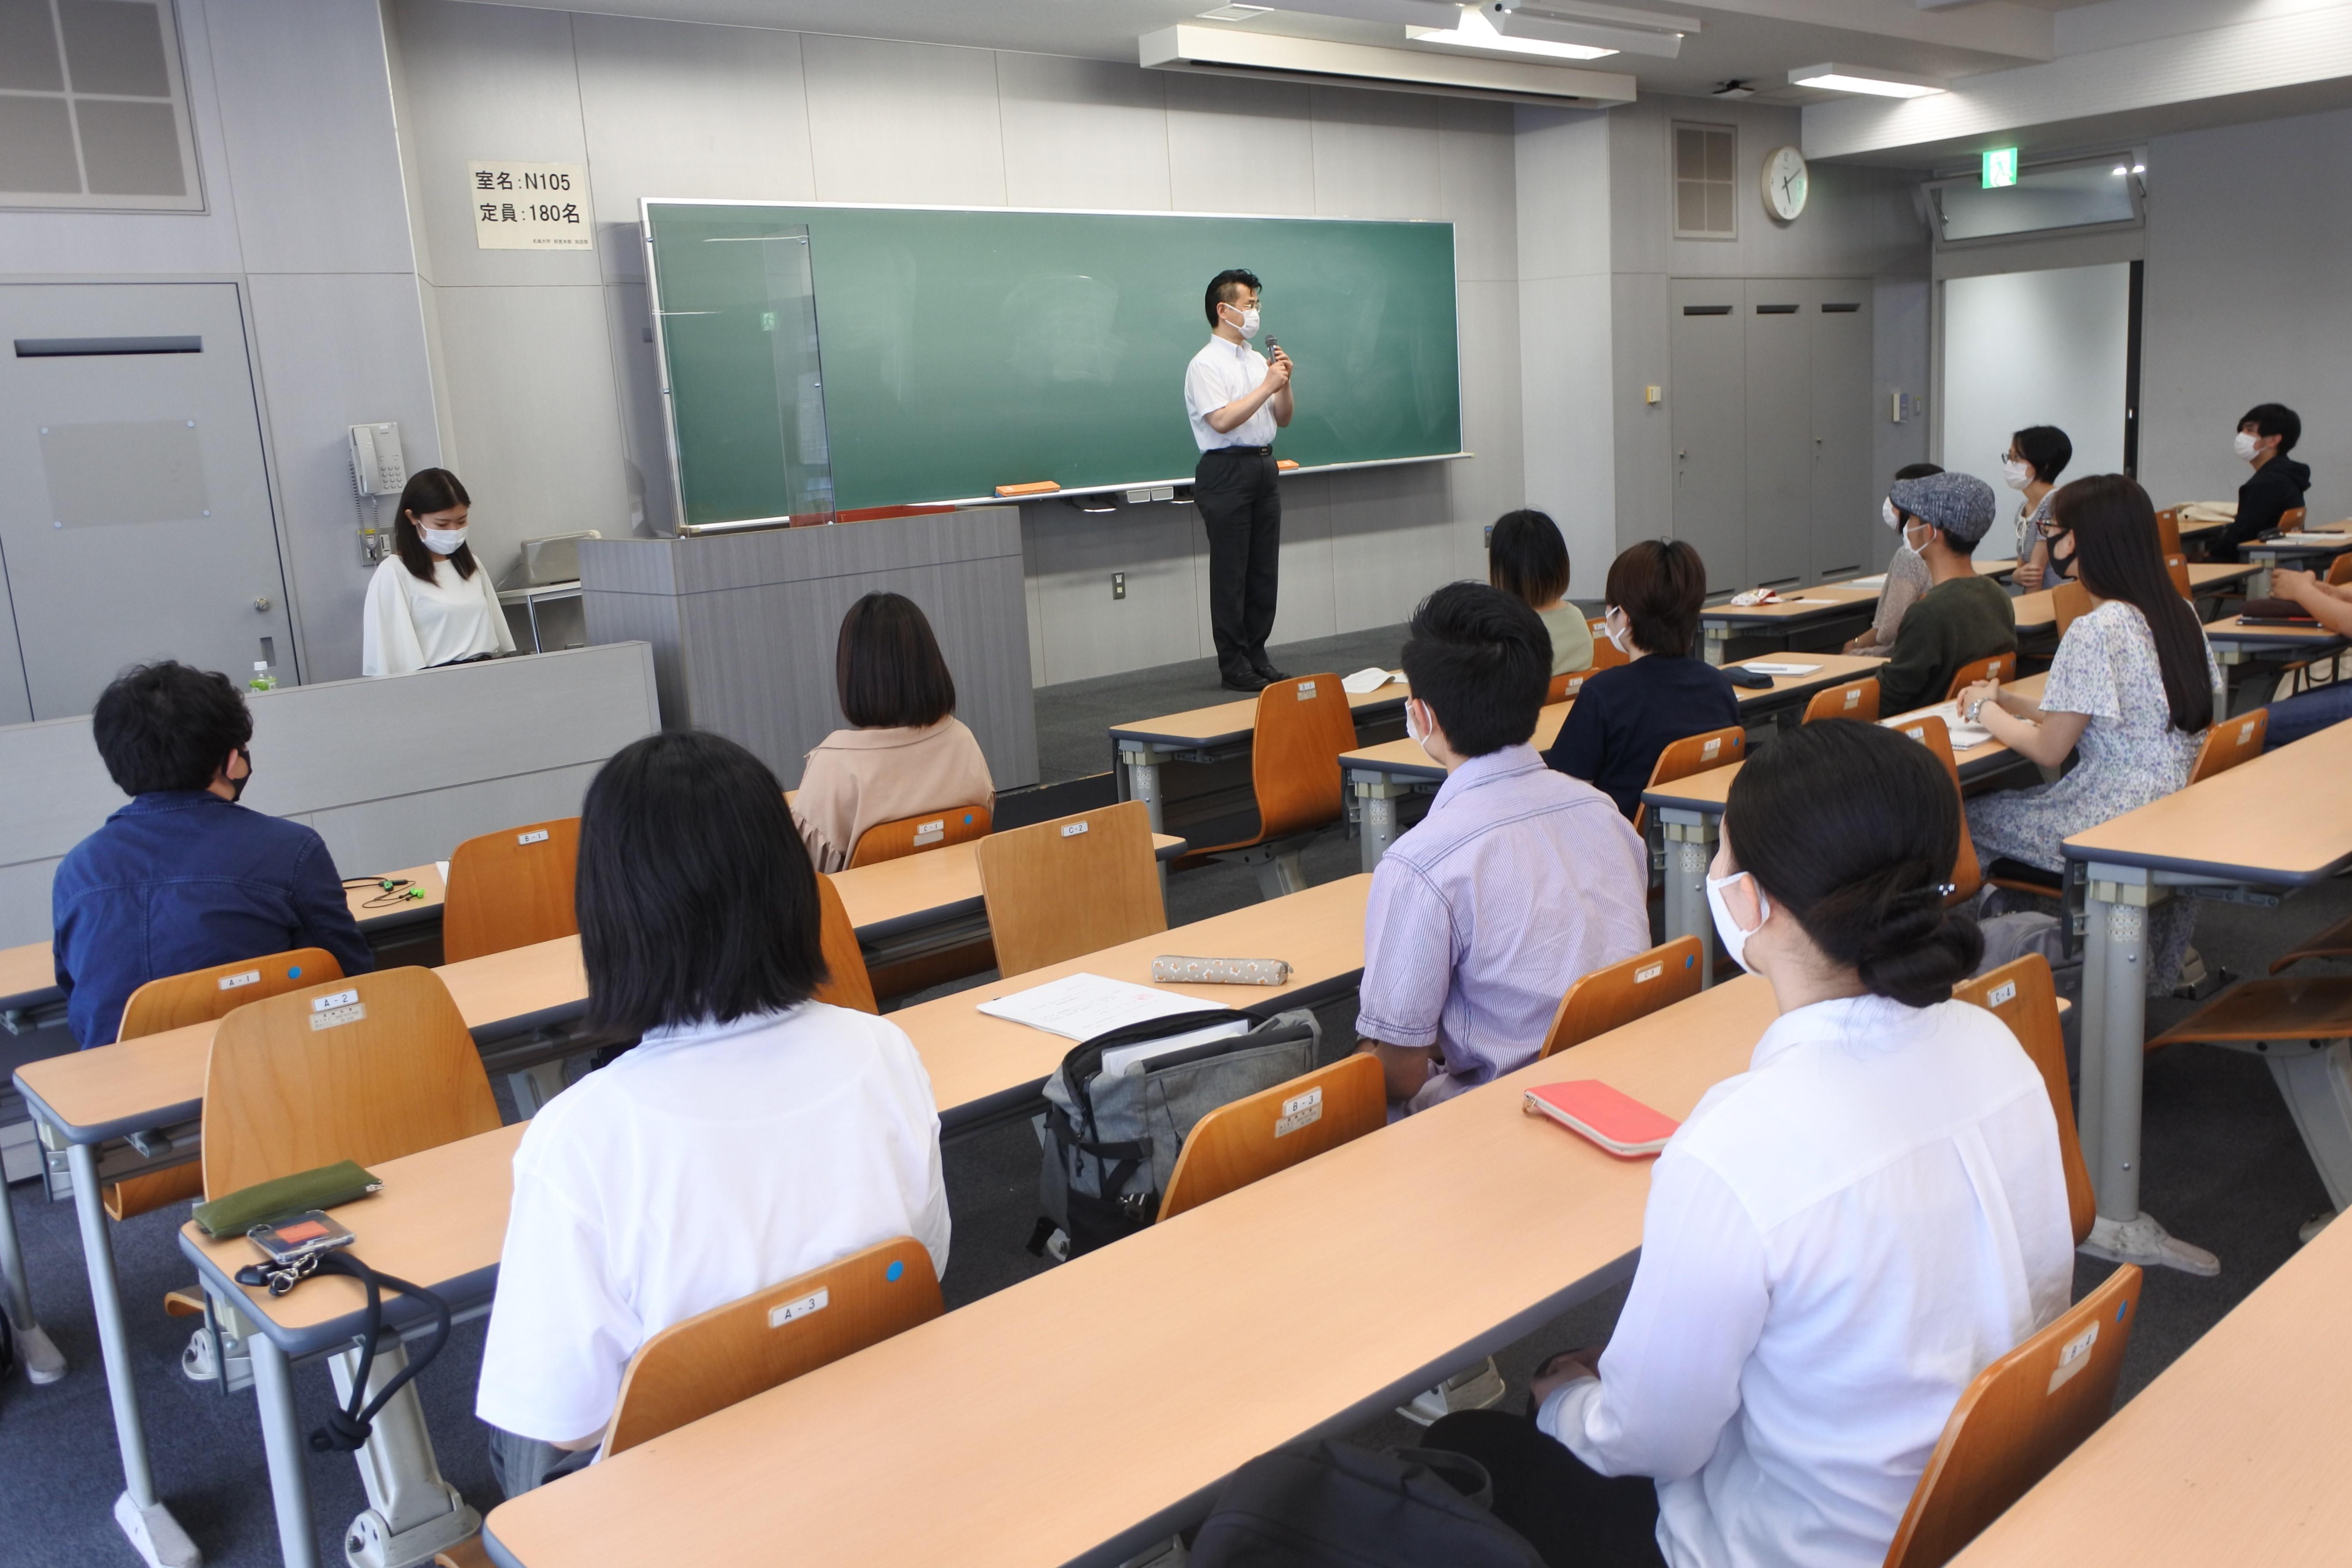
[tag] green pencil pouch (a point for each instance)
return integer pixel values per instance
(341, 1183)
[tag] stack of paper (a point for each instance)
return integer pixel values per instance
(1368, 679)
(1964, 734)
(1080, 1006)
(1762, 667)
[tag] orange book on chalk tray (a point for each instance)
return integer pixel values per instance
(1618, 1122)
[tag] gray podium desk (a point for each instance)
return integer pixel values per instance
(743, 626)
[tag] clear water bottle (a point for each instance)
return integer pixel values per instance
(262, 680)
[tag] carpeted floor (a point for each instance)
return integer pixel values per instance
(2224, 1168)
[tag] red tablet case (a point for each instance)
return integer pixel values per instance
(1618, 1122)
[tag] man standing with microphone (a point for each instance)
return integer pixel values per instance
(1237, 398)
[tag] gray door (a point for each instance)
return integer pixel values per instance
(1704, 398)
(1846, 535)
(1779, 429)
(137, 523)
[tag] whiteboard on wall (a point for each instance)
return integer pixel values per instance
(2033, 348)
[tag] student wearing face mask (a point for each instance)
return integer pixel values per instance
(2037, 455)
(1624, 717)
(2278, 484)
(1237, 398)
(1517, 883)
(1906, 573)
(1964, 615)
(1839, 1239)
(431, 603)
(183, 877)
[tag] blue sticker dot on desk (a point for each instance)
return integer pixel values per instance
(295, 972)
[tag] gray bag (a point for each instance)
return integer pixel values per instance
(1109, 1140)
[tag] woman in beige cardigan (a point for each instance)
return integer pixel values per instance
(907, 753)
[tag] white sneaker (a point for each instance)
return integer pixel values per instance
(1479, 1388)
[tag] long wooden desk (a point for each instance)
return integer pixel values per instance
(1303, 1303)
(2235, 642)
(2273, 825)
(1805, 610)
(1221, 732)
(2237, 1453)
(2315, 548)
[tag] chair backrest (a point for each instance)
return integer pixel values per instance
(1999, 666)
(1967, 874)
(912, 834)
(1564, 687)
(201, 996)
(2290, 521)
(847, 984)
(2021, 994)
(726, 1355)
(1694, 754)
(1606, 654)
(1631, 988)
(1274, 1128)
(2176, 566)
(2229, 742)
(1075, 885)
(2341, 572)
(1855, 700)
(1303, 725)
(511, 888)
(2022, 1415)
(366, 1068)
(2069, 602)
(2167, 531)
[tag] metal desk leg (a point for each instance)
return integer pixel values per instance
(1376, 796)
(281, 1439)
(531, 602)
(1690, 847)
(2315, 1079)
(1143, 782)
(2114, 1029)
(2258, 586)
(411, 1512)
(42, 1361)
(145, 1520)
(1713, 636)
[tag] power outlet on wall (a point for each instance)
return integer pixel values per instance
(1118, 585)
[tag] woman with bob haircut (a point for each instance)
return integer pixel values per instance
(2130, 693)
(1528, 559)
(1840, 1238)
(1624, 717)
(751, 1133)
(906, 753)
(430, 602)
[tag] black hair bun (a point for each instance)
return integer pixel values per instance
(1915, 947)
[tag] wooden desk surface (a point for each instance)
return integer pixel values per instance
(27, 974)
(2237, 1453)
(1225, 722)
(2233, 630)
(1820, 599)
(366, 911)
(2278, 820)
(2212, 573)
(1225, 1333)
(1406, 757)
(889, 892)
(2034, 612)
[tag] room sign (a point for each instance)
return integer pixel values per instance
(529, 206)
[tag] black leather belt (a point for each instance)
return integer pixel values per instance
(1255, 451)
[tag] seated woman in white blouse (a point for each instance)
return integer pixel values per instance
(752, 1134)
(1840, 1238)
(430, 602)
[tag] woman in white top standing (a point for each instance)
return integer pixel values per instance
(430, 602)
(751, 1135)
(1840, 1238)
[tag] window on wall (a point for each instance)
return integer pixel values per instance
(1706, 161)
(93, 106)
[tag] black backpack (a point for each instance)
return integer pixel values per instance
(1325, 1503)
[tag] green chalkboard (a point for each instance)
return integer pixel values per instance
(964, 349)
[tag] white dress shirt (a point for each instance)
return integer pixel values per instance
(1836, 1243)
(703, 1165)
(414, 625)
(1221, 371)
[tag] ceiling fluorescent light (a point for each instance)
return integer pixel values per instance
(1235, 13)
(1476, 33)
(1860, 78)
(1607, 26)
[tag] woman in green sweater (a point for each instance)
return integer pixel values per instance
(1526, 559)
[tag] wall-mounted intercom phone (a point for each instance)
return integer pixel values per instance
(379, 468)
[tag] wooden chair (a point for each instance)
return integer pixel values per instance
(199, 996)
(1694, 754)
(2022, 1415)
(729, 1353)
(2230, 742)
(1855, 700)
(1274, 1128)
(911, 835)
(1564, 687)
(2021, 994)
(2167, 532)
(847, 984)
(2341, 572)
(1303, 725)
(2176, 566)
(2069, 602)
(1631, 988)
(1967, 874)
(2290, 519)
(511, 888)
(287, 1091)
(1072, 885)
(1606, 654)
(2257, 1012)
(2335, 941)
(1999, 666)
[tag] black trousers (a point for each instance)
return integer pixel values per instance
(1234, 489)
(1574, 1516)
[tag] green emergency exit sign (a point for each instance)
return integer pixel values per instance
(2000, 167)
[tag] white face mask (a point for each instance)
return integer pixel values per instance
(443, 541)
(1248, 325)
(1889, 516)
(2244, 445)
(2016, 475)
(1412, 729)
(1734, 938)
(1914, 549)
(1617, 639)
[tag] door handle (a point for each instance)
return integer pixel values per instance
(261, 603)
